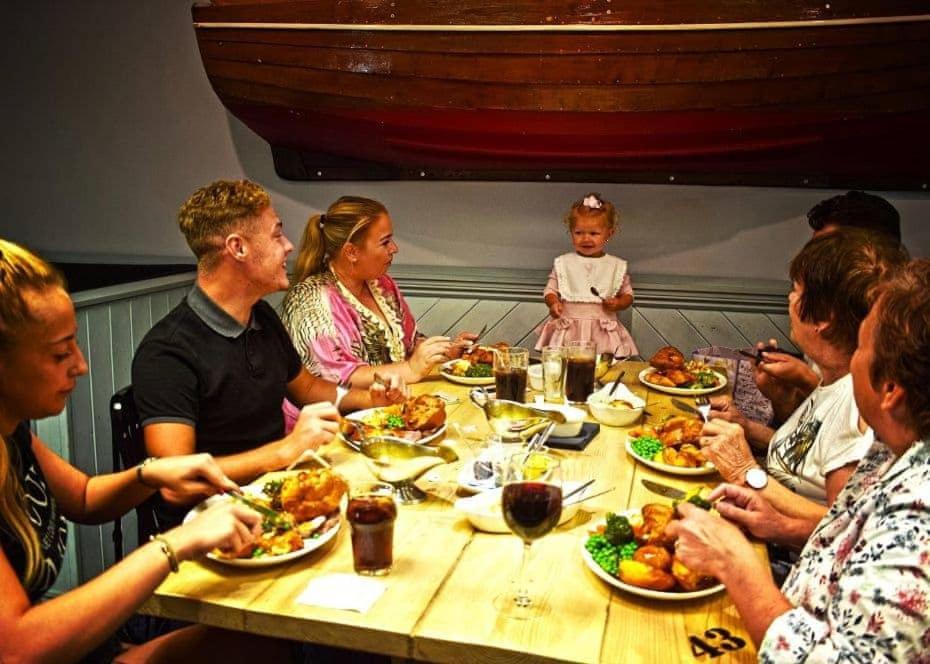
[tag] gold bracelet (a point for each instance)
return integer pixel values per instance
(167, 550)
(139, 478)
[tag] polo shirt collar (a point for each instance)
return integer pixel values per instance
(215, 317)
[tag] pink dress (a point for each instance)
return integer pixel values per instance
(335, 334)
(583, 316)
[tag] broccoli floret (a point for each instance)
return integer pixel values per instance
(618, 530)
(480, 370)
(696, 499)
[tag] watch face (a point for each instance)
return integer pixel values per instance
(757, 478)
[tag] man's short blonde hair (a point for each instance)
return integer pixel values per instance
(215, 211)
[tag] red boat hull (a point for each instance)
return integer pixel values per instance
(803, 103)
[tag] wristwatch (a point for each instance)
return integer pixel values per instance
(756, 478)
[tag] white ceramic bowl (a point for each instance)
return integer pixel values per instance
(483, 510)
(604, 412)
(574, 418)
(535, 377)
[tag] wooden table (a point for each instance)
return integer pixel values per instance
(439, 602)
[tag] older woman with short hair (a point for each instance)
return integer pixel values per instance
(810, 457)
(860, 588)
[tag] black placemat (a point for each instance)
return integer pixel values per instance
(588, 431)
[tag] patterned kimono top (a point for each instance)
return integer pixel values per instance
(334, 333)
(861, 587)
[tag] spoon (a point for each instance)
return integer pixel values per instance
(595, 293)
(616, 383)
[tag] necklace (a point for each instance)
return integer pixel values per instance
(356, 292)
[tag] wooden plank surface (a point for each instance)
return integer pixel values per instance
(439, 604)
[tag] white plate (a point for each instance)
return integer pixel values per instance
(668, 468)
(310, 544)
(463, 380)
(359, 415)
(643, 592)
(681, 391)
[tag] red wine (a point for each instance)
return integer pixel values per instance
(510, 384)
(531, 509)
(579, 379)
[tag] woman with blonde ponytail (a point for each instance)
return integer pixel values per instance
(40, 363)
(347, 317)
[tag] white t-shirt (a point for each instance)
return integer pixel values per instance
(819, 437)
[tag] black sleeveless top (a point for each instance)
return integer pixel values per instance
(42, 511)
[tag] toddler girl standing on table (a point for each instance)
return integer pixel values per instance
(577, 314)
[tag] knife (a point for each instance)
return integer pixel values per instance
(686, 407)
(664, 490)
(276, 517)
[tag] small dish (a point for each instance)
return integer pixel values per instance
(574, 418)
(601, 405)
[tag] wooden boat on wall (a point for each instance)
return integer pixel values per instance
(785, 92)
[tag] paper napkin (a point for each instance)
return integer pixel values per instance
(342, 591)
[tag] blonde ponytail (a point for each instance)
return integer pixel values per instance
(325, 234)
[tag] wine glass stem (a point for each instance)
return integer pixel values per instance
(522, 597)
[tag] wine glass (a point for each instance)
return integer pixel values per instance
(532, 505)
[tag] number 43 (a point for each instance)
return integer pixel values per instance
(728, 642)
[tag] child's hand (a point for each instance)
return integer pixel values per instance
(614, 304)
(555, 309)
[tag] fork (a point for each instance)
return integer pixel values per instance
(703, 406)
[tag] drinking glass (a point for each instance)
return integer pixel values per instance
(579, 371)
(371, 514)
(510, 366)
(553, 368)
(532, 505)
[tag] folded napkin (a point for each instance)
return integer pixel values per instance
(588, 431)
(342, 591)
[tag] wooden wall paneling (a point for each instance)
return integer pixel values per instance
(420, 305)
(783, 323)
(716, 328)
(121, 340)
(175, 296)
(648, 339)
(140, 308)
(519, 325)
(490, 313)
(159, 306)
(100, 349)
(675, 328)
(444, 317)
(759, 327)
(83, 453)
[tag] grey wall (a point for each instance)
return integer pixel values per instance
(109, 123)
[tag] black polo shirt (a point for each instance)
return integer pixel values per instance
(199, 366)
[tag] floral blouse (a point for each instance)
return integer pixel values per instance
(334, 333)
(861, 588)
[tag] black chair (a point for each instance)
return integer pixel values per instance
(128, 452)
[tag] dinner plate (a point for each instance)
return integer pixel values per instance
(668, 468)
(310, 543)
(643, 592)
(463, 380)
(360, 415)
(681, 391)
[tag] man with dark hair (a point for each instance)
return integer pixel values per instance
(855, 209)
(212, 375)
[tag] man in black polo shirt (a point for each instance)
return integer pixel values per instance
(211, 376)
